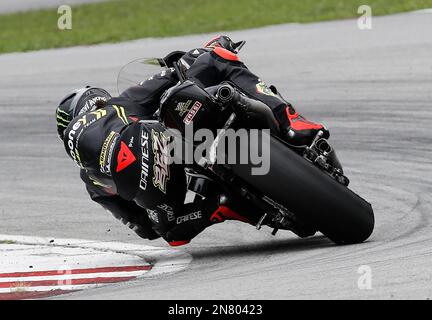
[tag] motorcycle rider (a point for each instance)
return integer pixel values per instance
(123, 163)
(95, 127)
(218, 62)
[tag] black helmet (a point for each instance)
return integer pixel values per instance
(76, 103)
(226, 43)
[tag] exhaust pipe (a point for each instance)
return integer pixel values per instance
(323, 146)
(252, 108)
(225, 93)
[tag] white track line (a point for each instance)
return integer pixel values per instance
(118, 260)
(54, 288)
(163, 260)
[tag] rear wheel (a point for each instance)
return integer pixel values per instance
(313, 196)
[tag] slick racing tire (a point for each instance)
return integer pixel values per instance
(312, 195)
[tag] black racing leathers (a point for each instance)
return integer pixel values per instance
(143, 173)
(127, 212)
(89, 141)
(210, 69)
(147, 94)
(124, 168)
(207, 68)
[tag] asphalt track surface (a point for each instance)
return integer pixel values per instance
(373, 89)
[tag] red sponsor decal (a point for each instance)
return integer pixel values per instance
(192, 112)
(125, 157)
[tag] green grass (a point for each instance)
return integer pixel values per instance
(120, 20)
(7, 242)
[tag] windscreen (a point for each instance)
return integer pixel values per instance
(138, 71)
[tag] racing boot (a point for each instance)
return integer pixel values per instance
(301, 132)
(186, 223)
(198, 216)
(228, 210)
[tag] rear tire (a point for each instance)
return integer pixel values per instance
(315, 197)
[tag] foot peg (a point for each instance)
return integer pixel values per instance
(260, 222)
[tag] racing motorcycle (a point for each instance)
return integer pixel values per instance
(305, 189)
